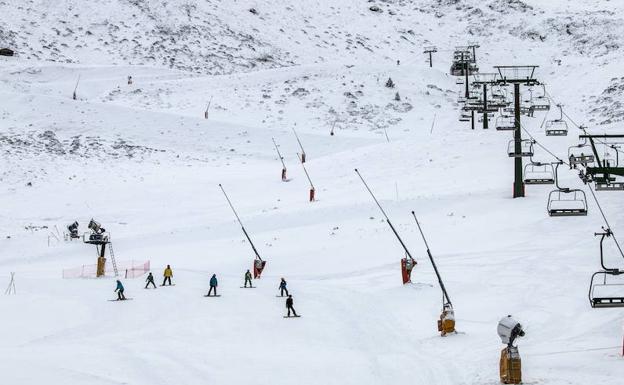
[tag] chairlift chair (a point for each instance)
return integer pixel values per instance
(541, 102)
(566, 202)
(603, 291)
(465, 116)
(556, 128)
(606, 288)
(526, 148)
(505, 123)
(577, 156)
(539, 173)
(609, 186)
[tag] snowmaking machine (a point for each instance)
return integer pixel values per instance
(510, 364)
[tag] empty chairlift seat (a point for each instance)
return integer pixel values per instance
(539, 173)
(541, 103)
(556, 128)
(526, 148)
(505, 123)
(566, 202)
(607, 289)
(608, 185)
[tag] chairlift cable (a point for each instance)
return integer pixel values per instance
(602, 213)
(604, 217)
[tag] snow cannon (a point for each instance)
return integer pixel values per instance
(407, 264)
(258, 266)
(446, 323)
(510, 363)
(73, 230)
(508, 330)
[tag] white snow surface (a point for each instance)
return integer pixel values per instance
(142, 160)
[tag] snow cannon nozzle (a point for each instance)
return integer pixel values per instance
(509, 329)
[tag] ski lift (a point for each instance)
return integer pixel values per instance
(526, 148)
(557, 127)
(609, 185)
(577, 156)
(542, 102)
(505, 123)
(566, 202)
(606, 288)
(539, 173)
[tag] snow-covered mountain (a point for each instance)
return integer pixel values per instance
(213, 82)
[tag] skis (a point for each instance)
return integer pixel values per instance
(167, 285)
(212, 295)
(248, 287)
(119, 300)
(292, 316)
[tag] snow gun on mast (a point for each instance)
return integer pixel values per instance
(446, 323)
(284, 178)
(407, 263)
(303, 153)
(259, 263)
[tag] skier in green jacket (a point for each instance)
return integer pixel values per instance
(248, 278)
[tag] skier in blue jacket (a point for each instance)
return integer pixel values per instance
(282, 287)
(120, 291)
(213, 285)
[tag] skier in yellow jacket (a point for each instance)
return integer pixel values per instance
(167, 274)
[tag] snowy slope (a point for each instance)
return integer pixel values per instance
(143, 161)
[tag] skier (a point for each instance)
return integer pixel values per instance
(282, 287)
(150, 279)
(213, 285)
(289, 306)
(167, 274)
(248, 278)
(129, 80)
(120, 291)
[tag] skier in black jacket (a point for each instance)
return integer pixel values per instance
(150, 279)
(289, 306)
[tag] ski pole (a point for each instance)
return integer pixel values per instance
(387, 219)
(241, 223)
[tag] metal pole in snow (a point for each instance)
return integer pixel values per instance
(303, 153)
(306, 172)
(387, 219)
(241, 223)
(445, 296)
(278, 153)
